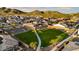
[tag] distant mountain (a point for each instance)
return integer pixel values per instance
(9, 11)
(46, 14)
(55, 14)
(75, 14)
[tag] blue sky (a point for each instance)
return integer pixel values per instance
(60, 9)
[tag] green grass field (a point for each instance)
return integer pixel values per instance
(51, 36)
(28, 37)
(48, 37)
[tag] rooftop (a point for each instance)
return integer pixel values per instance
(8, 42)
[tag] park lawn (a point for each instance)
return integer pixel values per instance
(48, 37)
(27, 37)
(51, 36)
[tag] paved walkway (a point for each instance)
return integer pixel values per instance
(39, 39)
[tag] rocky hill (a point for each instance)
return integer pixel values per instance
(55, 14)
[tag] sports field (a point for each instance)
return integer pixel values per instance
(48, 37)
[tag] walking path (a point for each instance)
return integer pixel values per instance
(39, 40)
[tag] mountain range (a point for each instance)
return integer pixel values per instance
(8, 11)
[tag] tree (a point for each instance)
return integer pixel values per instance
(3, 8)
(7, 10)
(61, 37)
(33, 45)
